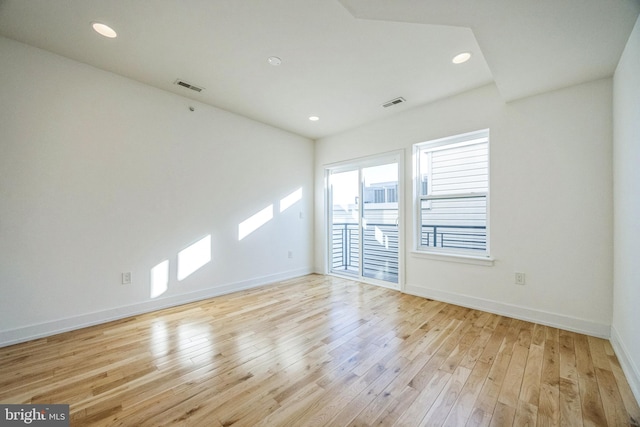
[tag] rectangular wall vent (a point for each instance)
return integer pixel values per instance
(188, 85)
(396, 101)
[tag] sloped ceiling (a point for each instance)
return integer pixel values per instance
(531, 47)
(341, 60)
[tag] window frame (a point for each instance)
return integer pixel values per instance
(431, 252)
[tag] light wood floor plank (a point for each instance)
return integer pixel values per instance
(549, 400)
(325, 351)
(440, 409)
(628, 398)
(530, 388)
(526, 415)
(462, 408)
(592, 409)
(511, 386)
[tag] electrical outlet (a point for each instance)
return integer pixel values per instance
(126, 278)
(290, 254)
(520, 279)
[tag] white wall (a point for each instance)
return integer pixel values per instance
(551, 202)
(100, 175)
(625, 331)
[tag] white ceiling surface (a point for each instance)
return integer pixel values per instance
(531, 46)
(341, 59)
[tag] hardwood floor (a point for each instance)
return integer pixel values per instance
(322, 351)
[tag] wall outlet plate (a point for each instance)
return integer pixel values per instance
(520, 279)
(126, 278)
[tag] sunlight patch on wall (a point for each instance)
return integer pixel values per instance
(288, 201)
(194, 257)
(254, 222)
(159, 279)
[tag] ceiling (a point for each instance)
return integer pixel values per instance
(341, 59)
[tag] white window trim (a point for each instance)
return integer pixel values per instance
(454, 257)
(462, 256)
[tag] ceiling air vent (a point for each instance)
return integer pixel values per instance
(188, 85)
(396, 101)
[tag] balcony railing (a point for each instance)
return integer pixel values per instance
(345, 250)
(380, 250)
(471, 237)
(380, 246)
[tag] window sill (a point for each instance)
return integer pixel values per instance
(464, 259)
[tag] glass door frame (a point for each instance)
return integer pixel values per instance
(358, 165)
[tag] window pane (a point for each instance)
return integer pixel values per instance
(452, 185)
(424, 172)
(460, 170)
(345, 230)
(454, 223)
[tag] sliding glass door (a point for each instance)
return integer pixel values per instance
(364, 219)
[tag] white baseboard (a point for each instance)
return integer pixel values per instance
(28, 333)
(536, 316)
(629, 368)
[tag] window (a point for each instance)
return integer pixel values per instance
(452, 192)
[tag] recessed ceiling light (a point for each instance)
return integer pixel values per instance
(104, 30)
(274, 60)
(461, 57)
(314, 118)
